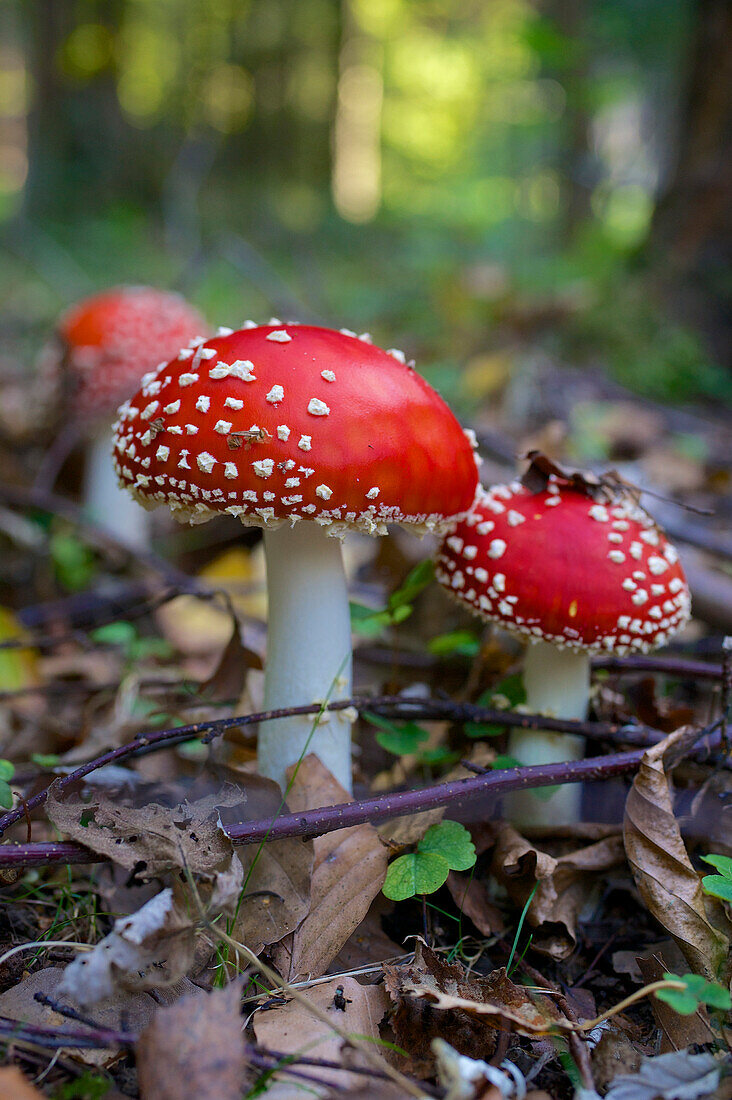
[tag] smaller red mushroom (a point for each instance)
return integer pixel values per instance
(103, 347)
(575, 569)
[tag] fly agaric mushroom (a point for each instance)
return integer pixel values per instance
(103, 347)
(308, 433)
(575, 568)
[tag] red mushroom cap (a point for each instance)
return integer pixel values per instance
(110, 340)
(293, 421)
(560, 567)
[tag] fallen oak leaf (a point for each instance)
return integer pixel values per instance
(275, 892)
(123, 1011)
(510, 1003)
(666, 879)
(14, 1085)
(447, 986)
(676, 1076)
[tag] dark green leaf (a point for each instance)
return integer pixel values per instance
(718, 886)
(120, 634)
(723, 864)
(367, 622)
(7, 770)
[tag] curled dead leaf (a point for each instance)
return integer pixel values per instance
(564, 883)
(666, 880)
(153, 947)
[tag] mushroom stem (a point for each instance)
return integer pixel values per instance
(308, 650)
(557, 682)
(107, 505)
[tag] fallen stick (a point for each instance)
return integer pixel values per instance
(326, 819)
(395, 706)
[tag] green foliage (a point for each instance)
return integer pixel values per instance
(73, 561)
(719, 886)
(124, 635)
(404, 738)
(458, 643)
(697, 991)
(7, 771)
(445, 847)
(370, 623)
(646, 350)
(88, 1086)
(399, 738)
(507, 695)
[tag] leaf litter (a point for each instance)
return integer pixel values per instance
(487, 1006)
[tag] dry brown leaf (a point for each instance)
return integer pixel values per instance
(15, 1086)
(414, 1024)
(292, 1029)
(194, 1049)
(277, 875)
(473, 900)
(135, 1010)
(489, 1001)
(368, 944)
(150, 839)
(153, 947)
(565, 883)
(227, 679)
(348, 871)
(614, 1055)
(664, 875)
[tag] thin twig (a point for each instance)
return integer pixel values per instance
(396, 706)
(325, 819)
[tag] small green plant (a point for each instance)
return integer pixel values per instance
(458, 643)
(443, 848)
(507, 695)
(404, 738)
(697, 991)
(719, 886)
(125, 636)
(370, 623)
(7, 771)
(73, 561)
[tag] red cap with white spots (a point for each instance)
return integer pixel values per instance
(110, 340)
(563, 567)
(278, 422)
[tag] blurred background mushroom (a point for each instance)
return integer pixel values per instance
(100, 351)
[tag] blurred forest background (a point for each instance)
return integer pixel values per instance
(480, 181)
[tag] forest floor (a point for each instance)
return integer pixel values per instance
(155, 943)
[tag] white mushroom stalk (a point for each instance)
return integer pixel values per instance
(308, 652)
(106, 504)
(557, 683)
